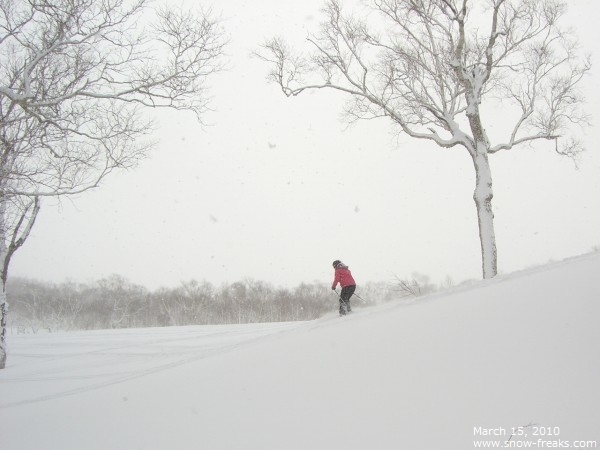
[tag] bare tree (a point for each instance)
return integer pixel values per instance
(436, 67)
(418, 286)
(121, 299)
(188, 304)
(75, 76)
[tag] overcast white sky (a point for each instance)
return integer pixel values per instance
(275, 189)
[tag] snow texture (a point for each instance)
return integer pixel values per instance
(512, 351)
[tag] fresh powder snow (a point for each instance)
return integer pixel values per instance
(517, 354)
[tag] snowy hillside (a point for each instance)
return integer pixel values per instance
(441, 373)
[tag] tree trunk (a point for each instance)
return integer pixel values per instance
(10, 241)
(3, 302)
(483, 201)
(3, 314)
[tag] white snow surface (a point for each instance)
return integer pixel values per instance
(521, 349)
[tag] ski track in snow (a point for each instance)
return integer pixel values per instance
(116, 355)
(42, 358)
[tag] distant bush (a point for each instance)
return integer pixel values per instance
(417, 286)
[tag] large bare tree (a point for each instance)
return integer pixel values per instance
(75, 78)
(445, 70)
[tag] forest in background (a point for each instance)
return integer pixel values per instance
(115, 302)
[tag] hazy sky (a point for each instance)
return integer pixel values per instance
(275, 189)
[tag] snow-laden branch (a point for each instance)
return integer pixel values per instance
(420, 102)
(74, 76)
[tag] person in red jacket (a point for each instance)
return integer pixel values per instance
(344, 278)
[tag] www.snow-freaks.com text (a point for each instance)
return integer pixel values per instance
(529, 436)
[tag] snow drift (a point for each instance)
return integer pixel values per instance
(449, 371)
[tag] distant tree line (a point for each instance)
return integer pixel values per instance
(115, 302)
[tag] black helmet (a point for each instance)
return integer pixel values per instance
(336, 262)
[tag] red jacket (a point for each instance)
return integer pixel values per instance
(342, 276)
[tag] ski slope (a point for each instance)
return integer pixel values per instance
(449, 371)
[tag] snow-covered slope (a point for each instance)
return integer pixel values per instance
(432, 374)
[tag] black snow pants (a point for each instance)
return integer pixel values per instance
(345, 295)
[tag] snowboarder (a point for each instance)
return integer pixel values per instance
(344, 278)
